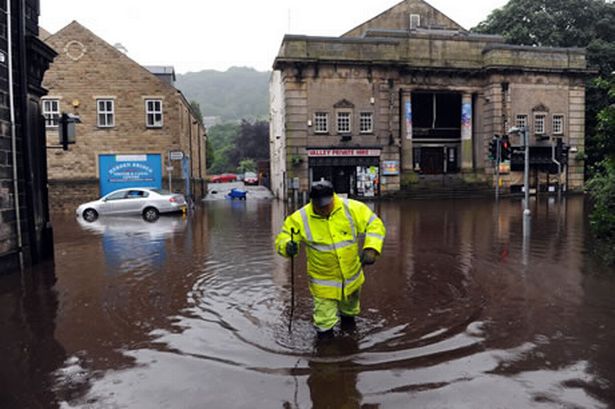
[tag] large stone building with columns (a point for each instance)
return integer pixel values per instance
(411, 95)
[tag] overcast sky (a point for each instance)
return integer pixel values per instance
(193, 35)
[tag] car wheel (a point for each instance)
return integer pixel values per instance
(151, 214)
(89, 215)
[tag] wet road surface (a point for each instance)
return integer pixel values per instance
(460, 312)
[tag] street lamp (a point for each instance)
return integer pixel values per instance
(522, 130)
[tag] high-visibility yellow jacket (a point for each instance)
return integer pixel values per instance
(332, 245)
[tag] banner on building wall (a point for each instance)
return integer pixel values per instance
(319, 153)
(466, 121)
(408, 118)
(390, 167)
(124, 171)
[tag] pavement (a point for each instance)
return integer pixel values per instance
(218, 191)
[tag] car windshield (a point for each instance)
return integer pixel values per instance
(250, 175)
(161, 191)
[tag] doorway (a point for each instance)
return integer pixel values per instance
(432, 161)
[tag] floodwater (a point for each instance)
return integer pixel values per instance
(462, 311)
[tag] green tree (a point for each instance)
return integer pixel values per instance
(196, 108)
(566, 23)
(553, 23)
(601, 186)
(252, 142)
(232, 143)
(221, 139)
(246, 165)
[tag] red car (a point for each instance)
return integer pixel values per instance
(250, 178)
(224, 178)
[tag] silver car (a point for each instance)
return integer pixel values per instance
(147, 202)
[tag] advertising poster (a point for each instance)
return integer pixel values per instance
(408, 118)
(390, 167)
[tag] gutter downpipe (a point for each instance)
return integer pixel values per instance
(13, 132)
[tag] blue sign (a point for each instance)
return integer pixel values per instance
(408, 118)
(123, 171)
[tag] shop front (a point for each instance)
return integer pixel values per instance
(355, 172)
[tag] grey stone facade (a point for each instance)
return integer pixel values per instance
(436, 95)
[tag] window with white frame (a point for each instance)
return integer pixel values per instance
(321, 122)
(521, 121)
(105, 109)
(558, 124)
(153, 113)
(51, 112)
(539, 124)
(366, 122)
(343, 122)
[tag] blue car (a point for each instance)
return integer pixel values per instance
(237, 194)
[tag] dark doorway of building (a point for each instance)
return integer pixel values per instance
(342, 179)
(432, 161)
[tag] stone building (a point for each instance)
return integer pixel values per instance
(25, 230)
(135, 125)
(411, 96)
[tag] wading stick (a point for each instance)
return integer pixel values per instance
(292, 282)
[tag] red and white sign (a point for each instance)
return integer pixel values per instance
(319, 153)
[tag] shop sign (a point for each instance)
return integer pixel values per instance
(133, 170)
(390, 167)
(318, 153)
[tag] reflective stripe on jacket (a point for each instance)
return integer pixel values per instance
(332, 244)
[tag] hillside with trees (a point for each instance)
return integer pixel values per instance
(233, 95)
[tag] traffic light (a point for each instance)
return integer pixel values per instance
(505, 151)
(493, 147)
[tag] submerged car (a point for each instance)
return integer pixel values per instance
(147, 202)
(250, 178)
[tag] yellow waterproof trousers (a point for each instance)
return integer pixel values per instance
(327, 311)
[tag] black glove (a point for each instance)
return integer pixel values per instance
(292, 249)
(368, 257)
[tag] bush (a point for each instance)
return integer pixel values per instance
(408, 179)
(601, 187)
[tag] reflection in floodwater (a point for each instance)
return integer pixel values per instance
(463, 310)
(145, 240)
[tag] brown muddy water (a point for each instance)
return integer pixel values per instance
(460, 312)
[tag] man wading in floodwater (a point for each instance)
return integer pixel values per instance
(330, 227)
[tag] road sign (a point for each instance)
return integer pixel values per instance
(176, 155)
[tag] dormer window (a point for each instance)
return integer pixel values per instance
(415, 21)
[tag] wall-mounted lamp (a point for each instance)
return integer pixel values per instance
(75, 103)
(309, 122)
(372, 100)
